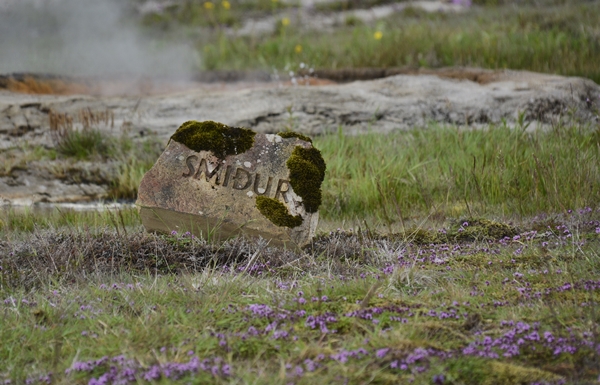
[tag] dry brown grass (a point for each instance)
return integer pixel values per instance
(36, 85)
(61, 123)
(70, 255)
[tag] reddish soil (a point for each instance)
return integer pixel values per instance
(55, 85)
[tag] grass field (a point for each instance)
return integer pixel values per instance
(472, 259)
(486, 303)
(454, 256)
(435, 172)
(545, 36)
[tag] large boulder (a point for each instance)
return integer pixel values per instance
(216, 181)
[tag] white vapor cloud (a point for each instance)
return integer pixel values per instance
(84, 38)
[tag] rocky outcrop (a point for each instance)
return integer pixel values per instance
(382, 105)
(464, 97)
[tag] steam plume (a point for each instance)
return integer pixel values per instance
(83, 38)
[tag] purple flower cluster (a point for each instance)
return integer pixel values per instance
(526, 291)
(121, 370)
(12, 302)
(522, 337)
(447, 312)
(441, 254)
(415, 361)
(321, 322)
(344, 355)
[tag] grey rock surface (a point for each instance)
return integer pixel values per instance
(383, 105)
(57, 181)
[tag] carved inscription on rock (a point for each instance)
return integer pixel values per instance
(241, 179)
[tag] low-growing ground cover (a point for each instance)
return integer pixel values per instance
(107, 306)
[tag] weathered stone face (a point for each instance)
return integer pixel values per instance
(248, 189)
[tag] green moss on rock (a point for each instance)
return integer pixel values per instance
(218, 138)
(293, 134)
(277, 212)
(307, 171)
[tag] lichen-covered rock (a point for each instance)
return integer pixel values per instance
(217, 181)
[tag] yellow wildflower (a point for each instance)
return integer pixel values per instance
(208, 5)
(285, 21)
(378, 35)
(298, 48)
(226, 4)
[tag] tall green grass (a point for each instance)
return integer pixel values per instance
(560, 39)
(215, 14)
(447, 171)
(438, 172)
(85, 144)
(28, 220)
(135, 159)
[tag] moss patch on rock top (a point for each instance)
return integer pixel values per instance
(293, 134)
(307, 171)
(218, 138)
(277, 212)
